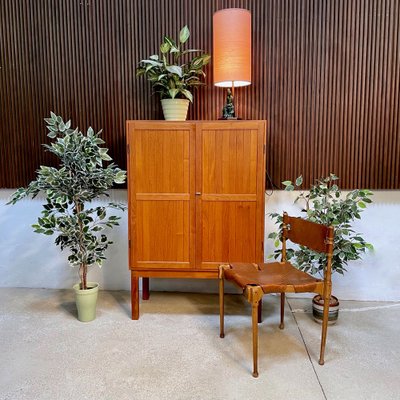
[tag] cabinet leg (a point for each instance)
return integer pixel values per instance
(145, 288)
(135, 296)
(259, 312)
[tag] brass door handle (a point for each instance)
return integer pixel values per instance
(198, 193)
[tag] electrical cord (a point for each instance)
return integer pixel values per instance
(273, 186)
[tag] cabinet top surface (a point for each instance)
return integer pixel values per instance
(208, 124)
(219, 121)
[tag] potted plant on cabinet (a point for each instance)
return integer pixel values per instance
(325, 204)
(173, 74)
(81, 178)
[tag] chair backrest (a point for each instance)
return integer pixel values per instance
(315, 236)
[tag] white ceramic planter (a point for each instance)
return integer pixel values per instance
(86, 301)
(175, 109)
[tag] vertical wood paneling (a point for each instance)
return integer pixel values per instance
(326, 76)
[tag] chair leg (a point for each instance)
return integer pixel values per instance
(282, 324)
(221, 308)
(324, 329)
(253, 295)
(255, 338)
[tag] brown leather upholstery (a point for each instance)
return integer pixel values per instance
(306, 233)
(272, 277)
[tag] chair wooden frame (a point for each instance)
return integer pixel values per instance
(314, 236)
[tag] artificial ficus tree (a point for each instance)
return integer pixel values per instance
(324, 203)
(85, 174)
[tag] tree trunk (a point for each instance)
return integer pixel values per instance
(83, 266)
(83, 276)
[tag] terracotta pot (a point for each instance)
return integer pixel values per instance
(175, 109)
(86, 301)
(318, 309)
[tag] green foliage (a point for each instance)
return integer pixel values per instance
(81, 178)
(173, 73)
(325, 204)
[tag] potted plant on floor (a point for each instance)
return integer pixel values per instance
(174, 73)
(325, 204)
(81, 178)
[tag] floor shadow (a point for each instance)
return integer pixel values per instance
(66, 303)
(70, 308)
(123, 300)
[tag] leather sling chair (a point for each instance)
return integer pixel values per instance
(282, 277)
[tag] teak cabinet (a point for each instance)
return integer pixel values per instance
(196, 197)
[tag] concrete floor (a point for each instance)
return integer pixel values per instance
(174, 350)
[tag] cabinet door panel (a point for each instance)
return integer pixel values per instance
(229, 161)
(228, 233)
(161, 195)
(229, 207)
(162, 232)
(162, 161)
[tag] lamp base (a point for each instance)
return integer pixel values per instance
(228, 112)
(229, 118)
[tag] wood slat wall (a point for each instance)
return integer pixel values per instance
(326, 76)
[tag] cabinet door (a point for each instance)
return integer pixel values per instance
(161, 181)
(229, 192)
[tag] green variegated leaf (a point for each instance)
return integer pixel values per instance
(174, 69)
(164, 47)
(49, 121)
(103, 154)
(191, 51)
(151, 63)
(187, 94)
(206, 58)
(173, 92)
(184, 34)
(171, 43)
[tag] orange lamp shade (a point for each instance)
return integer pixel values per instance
(232, 47)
